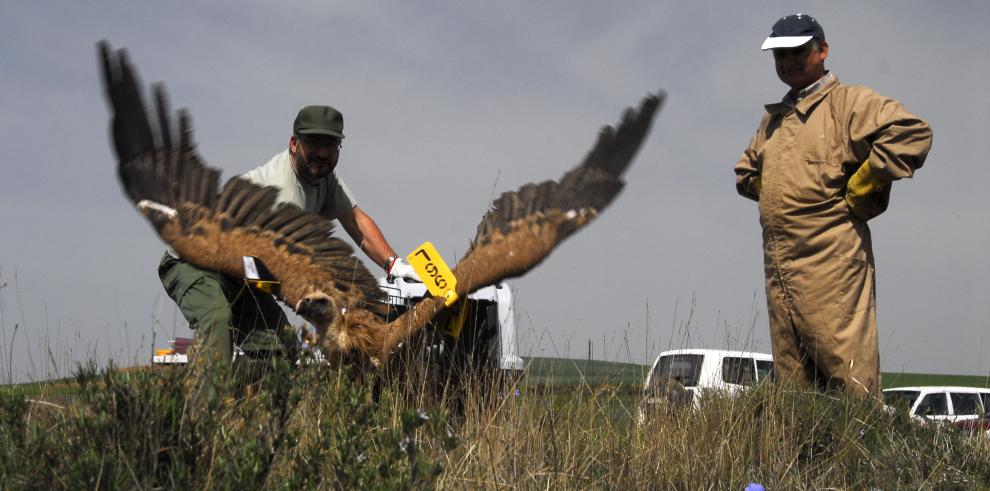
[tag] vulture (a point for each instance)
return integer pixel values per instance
(213, 228)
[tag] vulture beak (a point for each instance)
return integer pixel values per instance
(319, 309)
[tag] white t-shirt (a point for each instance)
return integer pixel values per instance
(330, 197)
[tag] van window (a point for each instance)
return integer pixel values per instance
(685, 369)
(900, 399)
(764, 369)
(741, 371)
(986, 401)
(964, 403)
(933, 405)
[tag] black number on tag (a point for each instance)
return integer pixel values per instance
(432, 269)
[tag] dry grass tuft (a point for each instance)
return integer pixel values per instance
(316, 428)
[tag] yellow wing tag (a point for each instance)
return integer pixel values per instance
(258, 276)
(452, 321)
(456, 324)
(431, 268)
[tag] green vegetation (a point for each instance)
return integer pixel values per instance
(594, 373)
(314, 427)
(290, 429)
(561, 371)
(910, 379)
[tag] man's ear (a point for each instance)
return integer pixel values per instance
(293, 144)
(823, 46)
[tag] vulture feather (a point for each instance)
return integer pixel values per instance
(162, 174)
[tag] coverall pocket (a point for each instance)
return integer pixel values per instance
(199, 294)
(829, 176)
(177, 278)
(181, 288)
(836, 289)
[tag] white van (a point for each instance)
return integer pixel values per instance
(697, 371)
(939, 402)
(489, 332)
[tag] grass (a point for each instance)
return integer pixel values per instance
(318, 428)
(574, 372)
(289, 429)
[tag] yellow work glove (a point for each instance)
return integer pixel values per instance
(859, 188)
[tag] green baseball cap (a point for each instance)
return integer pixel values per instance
(319, 120)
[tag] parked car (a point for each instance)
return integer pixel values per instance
(978, 426)
(684, 376)
(939, 403)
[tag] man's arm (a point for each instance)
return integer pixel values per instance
(890, 142)
(748, 180)
(893, 141)
(367, 235)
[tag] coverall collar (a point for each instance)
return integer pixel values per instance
(805, 105)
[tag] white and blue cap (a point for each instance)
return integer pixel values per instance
(793, 31)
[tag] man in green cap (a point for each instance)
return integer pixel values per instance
(221, 309)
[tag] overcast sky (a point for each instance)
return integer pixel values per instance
(447, 103)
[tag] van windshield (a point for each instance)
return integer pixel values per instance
(764, 370)
(685, 369)
(739, 371)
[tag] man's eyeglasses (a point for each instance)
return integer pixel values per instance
(798, 52)
(313, 141)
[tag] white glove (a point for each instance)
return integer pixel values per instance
(400, 268)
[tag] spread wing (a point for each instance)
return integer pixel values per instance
(165, 178)
(168, 182)
(524, 226)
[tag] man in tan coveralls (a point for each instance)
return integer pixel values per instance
(820, 165)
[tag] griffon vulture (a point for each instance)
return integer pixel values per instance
(169, 183)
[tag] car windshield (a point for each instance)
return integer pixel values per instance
(900, 399)
(965, 403)
(685, 369)
(933, 405)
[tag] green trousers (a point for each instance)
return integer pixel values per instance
(225, 312)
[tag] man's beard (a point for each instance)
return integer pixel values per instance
(311, 169)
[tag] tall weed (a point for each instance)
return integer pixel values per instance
(294, 428)
(313, 427)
